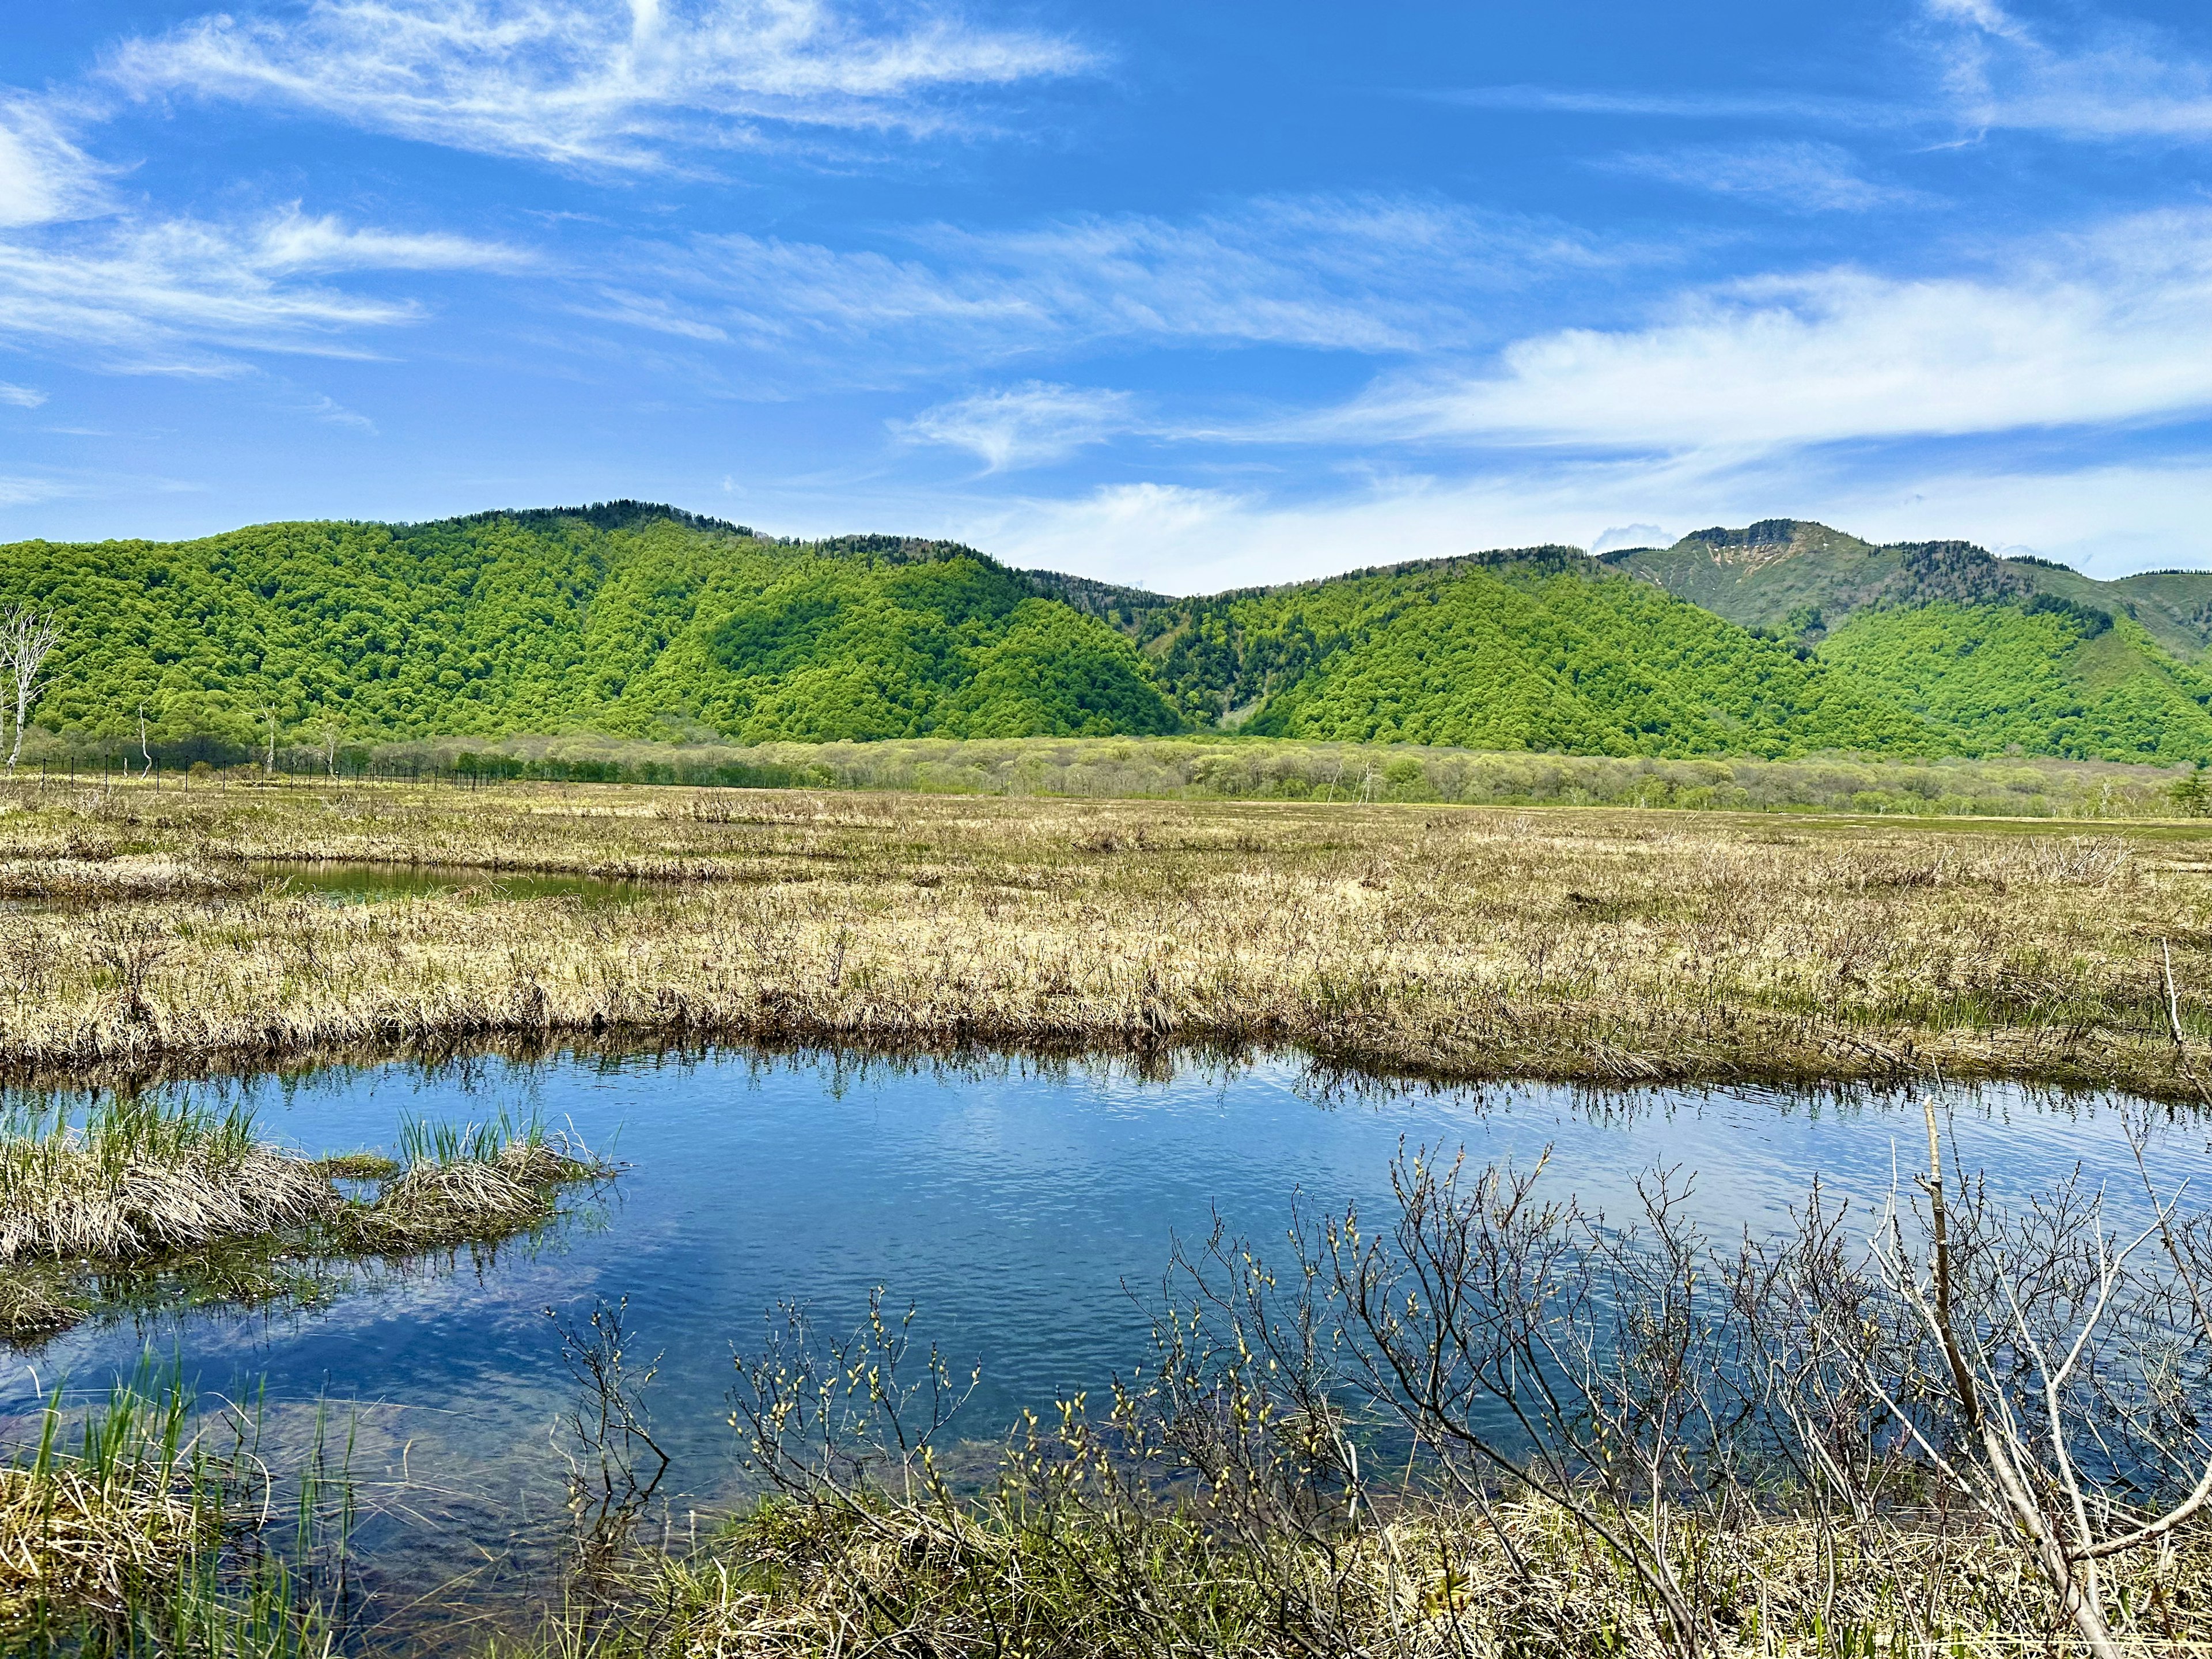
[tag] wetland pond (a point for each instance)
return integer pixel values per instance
(1026, 1210)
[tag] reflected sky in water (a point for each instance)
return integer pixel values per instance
(1023, 1209)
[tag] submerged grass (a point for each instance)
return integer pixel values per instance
(1621, 945)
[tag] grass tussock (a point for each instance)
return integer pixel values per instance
(98, 1533)
(799, 1581)
(141, 1190)
(476, 1186)
(140, 1528)
(1623, 946)
(140, 1179)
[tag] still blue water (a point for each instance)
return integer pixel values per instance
(1023, 1209)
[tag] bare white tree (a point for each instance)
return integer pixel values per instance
(27, 638)
(267, 711)
(2015, 1383)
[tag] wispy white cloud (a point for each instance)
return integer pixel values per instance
(2110, 326)
(1799, 177)
(1024, 425)
(158, 293)
(1672, 103)
(2093, 77)
(21, 491)
(22, 396)
(1360, 274)
(2104, 79)
(329, 410)
(293, 241)
(599, 84)
(43, 176)
(2104, 520)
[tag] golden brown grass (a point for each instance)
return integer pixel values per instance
(1609, 945)
(60, 1201)
(801, 1581)
(140, 1188)
(83, 1539)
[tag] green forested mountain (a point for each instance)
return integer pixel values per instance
(1540, 648)
(624, 619)
(1999, 652)
(1781, 639)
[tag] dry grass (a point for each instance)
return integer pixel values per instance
(479, 1196)
(1627, 945)
(801, 1581)
(86, 1540)
(66, 1197)
(91, 1533)
(139, 1190)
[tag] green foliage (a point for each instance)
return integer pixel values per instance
(640, 621)
(2048, 676)
(2189, 793)
(1544, 655)
(626, 619)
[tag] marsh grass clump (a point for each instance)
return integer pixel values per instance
(140, 1527)
(95, 1528)
(139, 1178)
(472, 1183)
(145, 1201)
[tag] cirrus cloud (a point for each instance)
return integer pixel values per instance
(2112, 80)
(168, 294)
(596, 85)
(1361, 275)
(1024, 425)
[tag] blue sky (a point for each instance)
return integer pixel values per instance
(1189, 295)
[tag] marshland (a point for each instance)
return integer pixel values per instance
(532, 1181)
(156, 927)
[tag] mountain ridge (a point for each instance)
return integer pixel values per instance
(1784, 636)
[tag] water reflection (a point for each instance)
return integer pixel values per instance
(1026, 1208)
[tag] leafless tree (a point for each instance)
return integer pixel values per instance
(1529, 1346)
(2043, 1366)
(615, 1463)
(267, 711)
(27, 638)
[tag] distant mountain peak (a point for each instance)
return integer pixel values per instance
(1769, 541)
(1767, 532)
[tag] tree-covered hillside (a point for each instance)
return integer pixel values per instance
(2044, 676)
(1527, 656)
(2000, 654)
(641, 620)
(626, 619)
(1799, 579)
